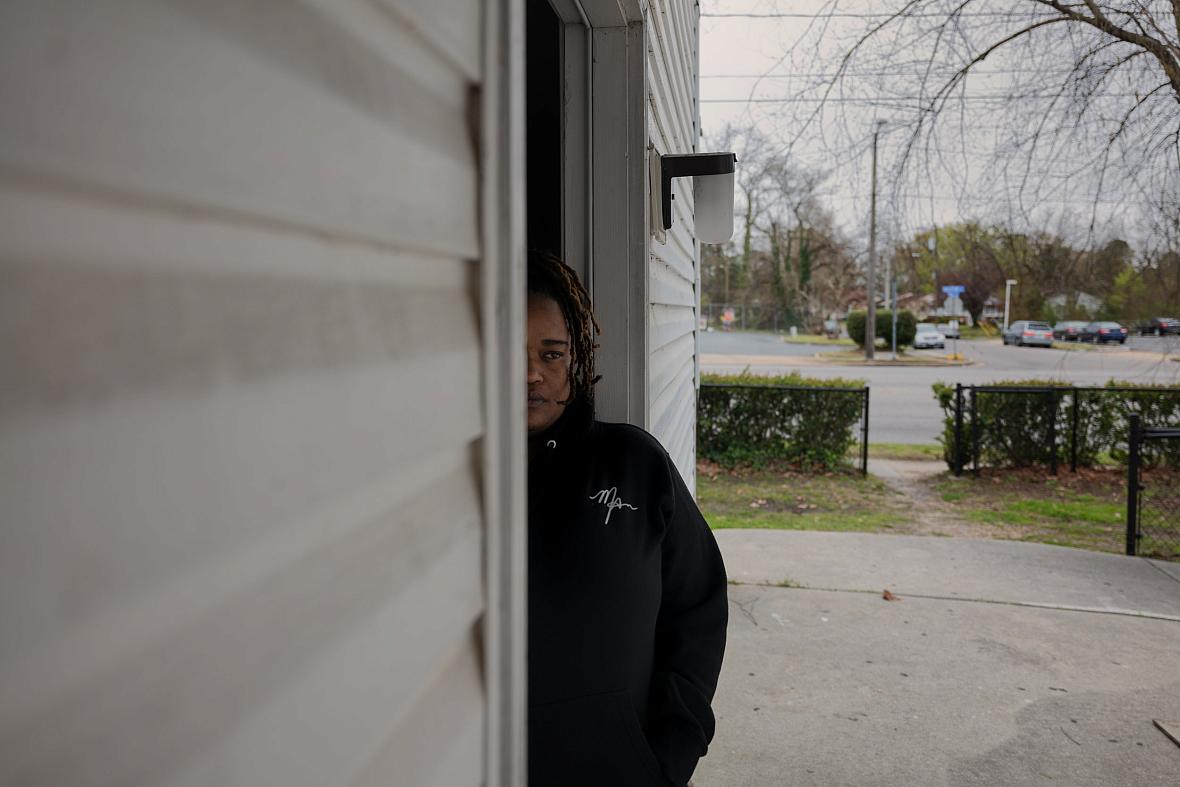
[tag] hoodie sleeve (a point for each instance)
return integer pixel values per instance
(690, 637)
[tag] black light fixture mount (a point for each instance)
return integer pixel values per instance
(679, 165)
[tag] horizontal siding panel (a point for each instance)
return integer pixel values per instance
(245, 424)
(674, 77)
(666, 83)
(676, 264)
(453, 26)
(262, 110)
(668, 287)
(680, 430)
(671, 396)
(670, 323)
(105, 334)
(671, 75)
(439, 742)
(684, 24)
(241, 416)
(668, 362)
(218, 468)
(198, 674)
(112, 236)
(383, 675)
(682, 236)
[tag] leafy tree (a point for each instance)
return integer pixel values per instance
(907, 326)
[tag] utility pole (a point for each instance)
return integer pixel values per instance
(871, 285)
(893, 282)
(1007, 299)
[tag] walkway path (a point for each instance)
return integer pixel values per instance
(930, 515)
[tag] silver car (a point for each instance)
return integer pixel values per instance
(927, 335)
(1028, 333)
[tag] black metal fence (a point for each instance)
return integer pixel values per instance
(1021, 425)
(809, 425)
(1153, 502)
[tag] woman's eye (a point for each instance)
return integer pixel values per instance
(552, 355)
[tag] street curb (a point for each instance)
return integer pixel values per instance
(824, 358)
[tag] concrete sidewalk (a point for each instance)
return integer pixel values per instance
(1002, 663)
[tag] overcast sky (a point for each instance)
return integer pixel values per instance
(777, 63)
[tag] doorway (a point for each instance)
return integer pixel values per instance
(543, 131)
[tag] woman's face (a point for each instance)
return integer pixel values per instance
(548, 362)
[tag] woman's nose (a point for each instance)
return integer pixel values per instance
(534, 369)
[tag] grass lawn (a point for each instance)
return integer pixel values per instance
(929, 452)
(786, 500)
(1085, 510)
(883, 358)
(975, 332)
(814, 338)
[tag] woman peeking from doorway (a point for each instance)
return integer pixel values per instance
(627, 590)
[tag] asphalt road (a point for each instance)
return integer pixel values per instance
(902, 404)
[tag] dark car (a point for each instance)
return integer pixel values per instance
(1023, 333)
(1158, 326)
(1103, 332)
(1068, 330)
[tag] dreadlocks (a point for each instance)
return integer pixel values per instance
(548, 276)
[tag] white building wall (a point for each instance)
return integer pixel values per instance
(673, 271)
(241, 417)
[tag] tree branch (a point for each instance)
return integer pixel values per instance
(1161, 51)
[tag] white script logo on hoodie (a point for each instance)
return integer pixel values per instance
(610, 498)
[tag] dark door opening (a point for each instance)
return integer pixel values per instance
(543, 161)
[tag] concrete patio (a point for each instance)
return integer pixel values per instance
(999, 663)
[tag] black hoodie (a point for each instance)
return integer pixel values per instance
(627, 610)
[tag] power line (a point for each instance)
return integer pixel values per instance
(851, 15)
(891, 99)
(830, 75)
(990, 198)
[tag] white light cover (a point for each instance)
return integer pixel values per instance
(713, 201)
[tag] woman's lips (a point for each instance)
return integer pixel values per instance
(536, 401)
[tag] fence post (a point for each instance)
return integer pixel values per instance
(958, 429)
(864, 439)
(1133, 440)
(1073, 439)
(974, 433)
(1053, 431)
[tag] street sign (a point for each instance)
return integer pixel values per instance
(953, 290)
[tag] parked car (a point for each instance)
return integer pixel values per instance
(927, 335)
(1158, 326)
(1103, 332)
(1069, 330)
(950, 330)
(1024, 333)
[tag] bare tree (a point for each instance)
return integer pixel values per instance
(787, 253)
(1076, 98)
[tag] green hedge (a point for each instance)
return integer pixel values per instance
(749, 419)
(1014, 428)
(907, 327)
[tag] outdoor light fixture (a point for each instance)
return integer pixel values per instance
(712, 190)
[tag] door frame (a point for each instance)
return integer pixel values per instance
(605, 188)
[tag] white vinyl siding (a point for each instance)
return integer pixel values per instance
(241, 418)
(673, 270)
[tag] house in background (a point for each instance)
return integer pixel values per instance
(261, 322)
(1071, 302)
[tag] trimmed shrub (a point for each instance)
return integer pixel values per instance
(1016, 429)
(749, 419)
(907, 327)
